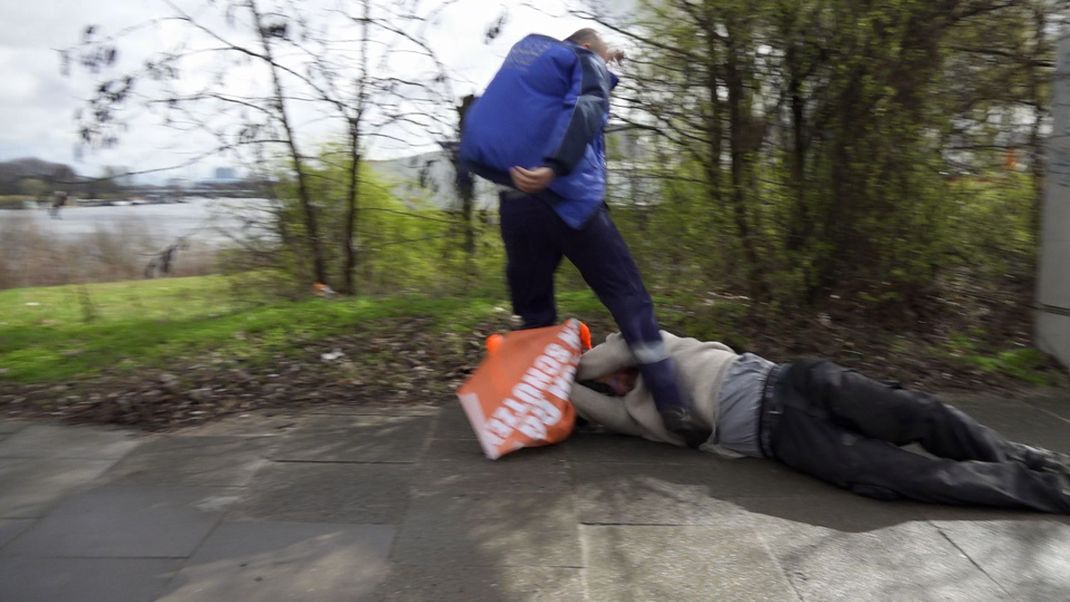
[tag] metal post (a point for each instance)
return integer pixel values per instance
(1053, 283)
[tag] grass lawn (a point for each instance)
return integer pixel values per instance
(54, 333)
(13, 201)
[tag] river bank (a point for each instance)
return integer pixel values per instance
(120, 242)
(208, 219)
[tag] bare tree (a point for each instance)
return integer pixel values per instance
(315, 72)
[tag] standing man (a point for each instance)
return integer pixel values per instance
(539, 130)
(59, 199)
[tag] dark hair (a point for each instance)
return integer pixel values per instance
(599, 387)
(584, 36)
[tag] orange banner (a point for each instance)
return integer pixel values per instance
(519, 396)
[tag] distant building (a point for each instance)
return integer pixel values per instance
(429, 177)
(225, 174)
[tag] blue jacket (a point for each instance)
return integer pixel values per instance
(547, 106)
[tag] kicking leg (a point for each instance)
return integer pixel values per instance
(606, 264)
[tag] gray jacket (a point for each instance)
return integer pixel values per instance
(702, 367)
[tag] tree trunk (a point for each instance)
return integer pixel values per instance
(319, 265)
(349, 238)
(350, 246)
(734, 81)
(1036, 144)
(800, 228)
(714, 130)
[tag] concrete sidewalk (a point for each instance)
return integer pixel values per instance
(398, 504)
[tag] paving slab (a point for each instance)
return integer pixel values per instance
(7, 427)
(860, 549)
(10, 528)
(84, 579)
(1026, 553)
(259, 423)
(374, 409)
(470, 453)
(144, 521)
(452, 423)
(606, 448)
(459, 466)
(398, 439)
(383, 503)
(57, 441)
(684, 493)
(1021, 422)
(937, 513)
(536, 529)
(1056, 403)
(753, 477)
(197, 461)
(327, 492)
(268, 561)
(647, 494)
(844, 512)
(30, 486)
(414, 583)
(680, 563)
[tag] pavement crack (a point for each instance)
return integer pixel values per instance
(972, 561)
(634, 524)
(385, 462)
(776, 561)
(1048, 412)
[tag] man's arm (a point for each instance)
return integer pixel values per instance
(615, 354)
(592, 104)
(607, 358)
(605, 410)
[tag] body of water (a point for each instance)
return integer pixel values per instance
(209, 221)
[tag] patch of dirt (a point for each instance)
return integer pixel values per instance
(399, 361)
(403, 361)
(924, 344)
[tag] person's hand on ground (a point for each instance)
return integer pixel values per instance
(531, 180)
(679, 420)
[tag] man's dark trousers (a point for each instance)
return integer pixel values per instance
(845, 428)
(536, 240)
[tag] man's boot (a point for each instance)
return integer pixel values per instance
(672, 403)
(1037, 458)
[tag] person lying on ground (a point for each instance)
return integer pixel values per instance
(827, 421)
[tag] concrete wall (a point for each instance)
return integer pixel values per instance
(1053, 288)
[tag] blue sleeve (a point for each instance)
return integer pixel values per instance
(592, 82)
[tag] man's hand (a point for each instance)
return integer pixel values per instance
(622, 381)
(531, 180)
(680, 420)
(615, 56)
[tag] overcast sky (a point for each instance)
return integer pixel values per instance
(38, 102)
